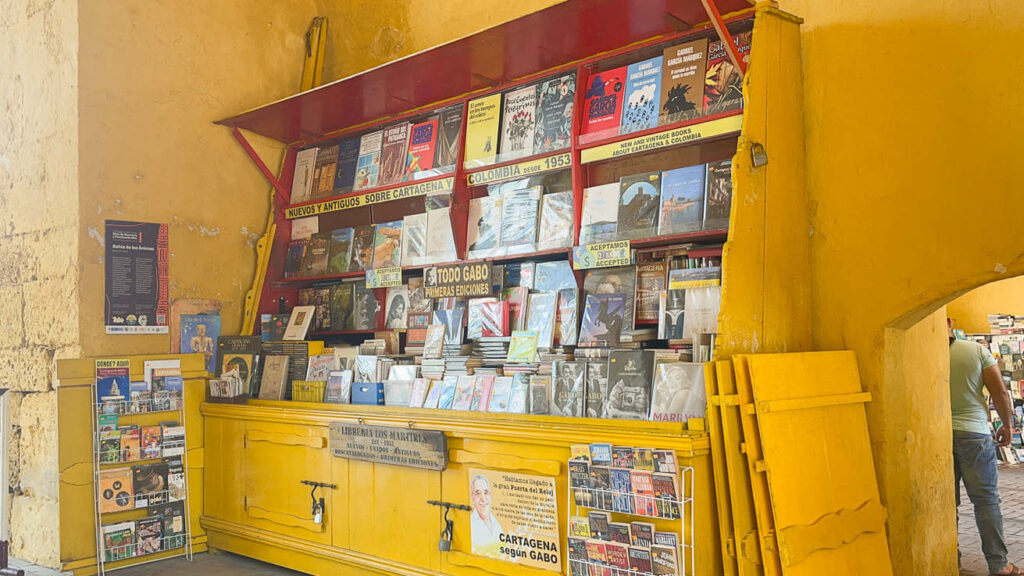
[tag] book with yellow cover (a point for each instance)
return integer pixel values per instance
(482, 127)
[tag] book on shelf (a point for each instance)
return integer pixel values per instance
(393, 154)
(579, 527)
(640, 559)
(518, 122)
(630, 374)
(621, 487)
(348, 160)
(110, 446)
(602, 107)
(723, 87)
(338, 389)
(368, 162)
(601, 454)
(540, 391)
(482, 127)
(603, 318)
(397, 392)
(567, 389)
(555, 103)
(643, 493)
(556, 221)
(651, 280)
(433, 394)
(453, 325)
(363, 238)
(116, 490)
(148, 535)
(302, 178)
(577, 554)
(474, 311)
(596, 376)
(682, 200)
(324, 170)
(500, 394)
(449, 129)
(682, 81)
(678, 393)
(447, 394)
(579, 483)
(131, 443)
(420, 389)
(484, 228)
(519, 398)
(600, 213)
(107, 422)
(440, 239)
(568, 317)
(314, 261)
(342, 296)
(643, 95)
(552, 276)
(422, 147)
(387, 244)
(396, 317)
(519, 219)
(365, 307)
(294, 256)
(639, 198)
(339, 250)
(541, 310)
(319, 366)
(414, 239)
(671, 314)
(523, 346)
(618, 280)
(298, 324)
(718, 198)
(669, 539)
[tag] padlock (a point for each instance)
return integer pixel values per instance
(318, 511)
(445, 544)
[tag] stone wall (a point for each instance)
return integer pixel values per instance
(39, 278)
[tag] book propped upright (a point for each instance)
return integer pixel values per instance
(518, 122)
(723, 90)
(643, 94)
(600, 213)
(449, 128)
(602, 108)
(484, 234)
(302, 180)
(323, 173)
(393, 154)
(718, 200)
(348, 159)
(368, 163)
(482, 127)
(554, 114)
(682, 81)
(638, 205)
(422, 145)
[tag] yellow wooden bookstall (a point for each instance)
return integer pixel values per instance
(252, 460)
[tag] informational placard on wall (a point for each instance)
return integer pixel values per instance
(136, 278)
(514, 518)
(458, 280)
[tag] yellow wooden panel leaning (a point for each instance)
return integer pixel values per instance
(724, 506)
(817, 453)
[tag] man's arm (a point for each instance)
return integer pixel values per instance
(1001, 398)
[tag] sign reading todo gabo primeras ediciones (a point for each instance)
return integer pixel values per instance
(458, 280)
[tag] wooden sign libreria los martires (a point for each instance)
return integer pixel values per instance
(458, 280)
(387, 445)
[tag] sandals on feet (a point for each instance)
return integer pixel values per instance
(1014, 571)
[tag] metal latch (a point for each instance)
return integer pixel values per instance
(445, 543)
(318, 503)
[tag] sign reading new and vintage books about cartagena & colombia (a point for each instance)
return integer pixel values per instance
(514, 518)
(136, 278)
(388, 445)
(458, 280)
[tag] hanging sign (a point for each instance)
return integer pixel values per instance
(384, 277)
(458, 280)
(601, 255)
(369, 198)
(136, 278)
(710, 129)
(388, 445)
(514, 518)
(492, 175)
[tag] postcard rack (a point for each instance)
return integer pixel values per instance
(683, 528)
(170, 534)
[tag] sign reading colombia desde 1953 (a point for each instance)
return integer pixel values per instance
(601, 255)
(458, 280)
(347, 202)
(492, 175)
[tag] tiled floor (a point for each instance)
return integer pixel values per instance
(1011, 491)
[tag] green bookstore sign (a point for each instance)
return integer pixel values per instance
(601, 255)
(384, 277)
(492, 175)
(711, 129)
(369, 198)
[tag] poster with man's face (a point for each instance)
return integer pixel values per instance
(514, 517)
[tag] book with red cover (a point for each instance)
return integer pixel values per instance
(597, 557)
(602, 108)
(643, 493)
(484, 385)
(494, 316)
(516, 297)
(393, 154)
(618, 557)
(151, 442)
(640, 560)
(422, 142)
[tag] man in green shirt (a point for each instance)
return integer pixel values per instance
(972, 369)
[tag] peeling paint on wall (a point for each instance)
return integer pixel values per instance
(97, 236)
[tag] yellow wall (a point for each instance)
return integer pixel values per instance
(970, 311)
(913, 199)
(153, 78)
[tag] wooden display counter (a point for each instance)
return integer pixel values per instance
(377, 519)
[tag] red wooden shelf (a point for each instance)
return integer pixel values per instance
(343, 332)
(669, 239)
(570, 31)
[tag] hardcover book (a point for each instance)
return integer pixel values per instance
(302, 179)
(365, 308)
(387, 244)
(600, 213)
(484, 232)
(723, 88)
(323, 172)
(651, 279)
(482, 126)
(418, 301)
(602, 109)
(116, 492)
(362, 248)
(393, 154)
(474, 309)
(339, 251)
(449, 128)
(422, 144)
(518, 123)
(397, 307)
(272, 327)
(682, 200)
(500, 394)
(482, 392)
(314, 263)
(643, 95)
(613, 280)
(298, 326)
(678, 392)
(494, 318)
(453, 327)
(541, 312)
(540, 390)
(597, 389)
(414, 239)
(682, 81)
(293, 258)
(603, 317)
(554, 114)
(556, 221)
(638, 205)
(434, 341)
(433, 394)
(368, 163)
(630, 373)
(341, 306)
(322, 302)
(567, 389)
(671, 314)
(718, 200)
(519, 219)
(348, 160)
(420, 387)
(523, 346)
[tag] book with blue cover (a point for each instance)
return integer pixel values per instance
(622, 498)
(643, 93)
(682, 200)
(345, 173)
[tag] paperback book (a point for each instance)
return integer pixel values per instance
(613, 280)
(540, 317)
(682, 200)
(362, 248)
(323, 172)
(293, 257)
(678, 393)
(671, 314)
(518, 123)
(387, 245)
(482, 126)
(501, 393)
(602, 110)
(365, 307)
(519, 219)
(519, 399)
(556, 221)
(597, 389)
(718, 202)
(638, 205)
(440, 240)
(682, 81)
(600, 213)
(368, 163)
(393, 154)
(723, 89)
(314, 262)
(554, 114)
(339, 250)
(348, 159)
(603, 317)
(630, 377)
(414, 239)
(568, 314)
(568, 393)
(484, 234)
(651, 280)
(523, 347)
(397, 308)
(302, 179)
(643, 93)
(449, 128)
(341, 306)
(422, 147)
